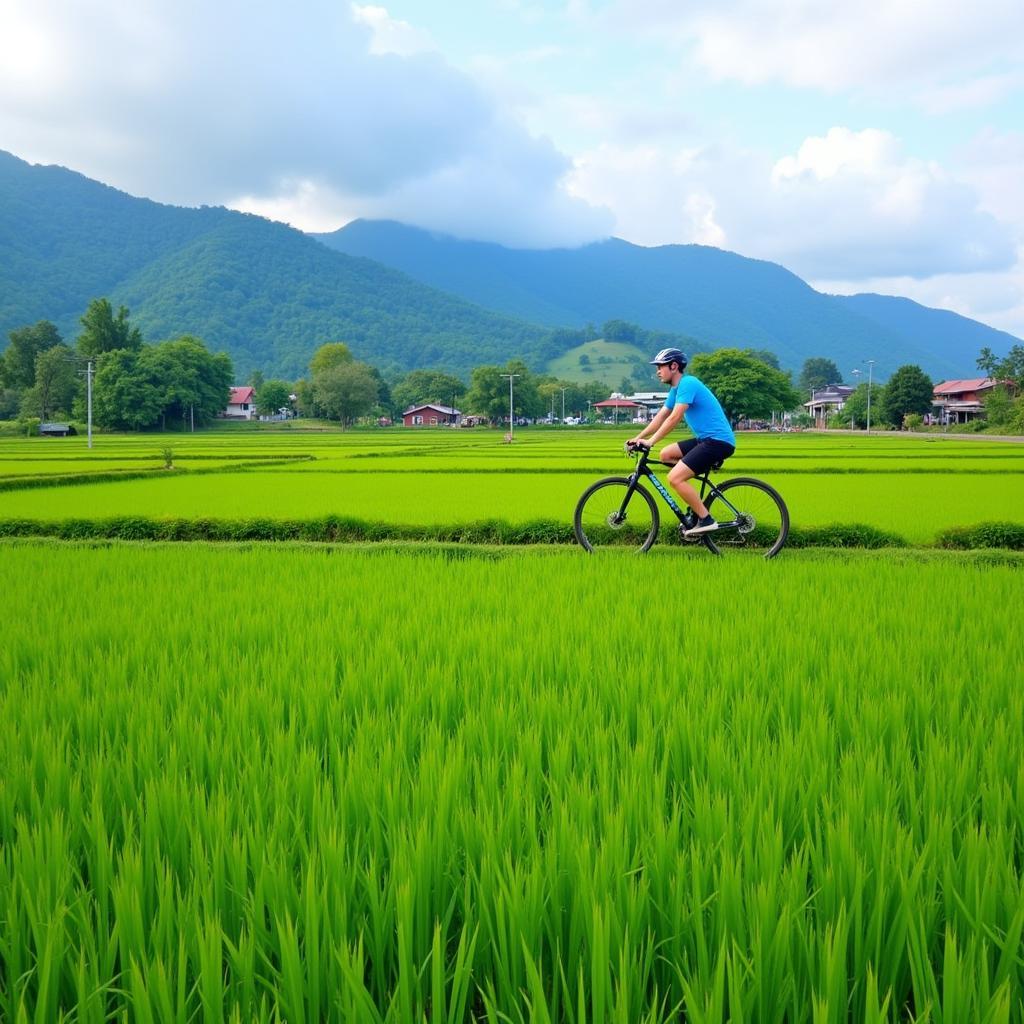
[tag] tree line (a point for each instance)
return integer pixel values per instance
(180, 383)
(136, 386)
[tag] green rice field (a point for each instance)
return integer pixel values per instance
(411, 782)
(911, 487)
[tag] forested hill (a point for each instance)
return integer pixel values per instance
(261, 291)
(715, 296)
(947, 332)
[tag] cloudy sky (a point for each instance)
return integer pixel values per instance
(869, 147)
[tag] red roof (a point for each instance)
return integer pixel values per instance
(616, 403)
(241, 396)
(956, 387)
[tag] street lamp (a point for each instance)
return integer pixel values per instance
(871, 367)
(511, 414)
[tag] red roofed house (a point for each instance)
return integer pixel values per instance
(960, 401)
(241, 404)
(431, 416)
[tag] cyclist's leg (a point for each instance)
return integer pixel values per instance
(684, 470)
(679, 476)
(698, 457)
(672, 453)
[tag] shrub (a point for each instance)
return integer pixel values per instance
(983, 535)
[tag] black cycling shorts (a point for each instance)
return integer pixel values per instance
(700, 454)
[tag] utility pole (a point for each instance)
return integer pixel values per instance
(563, 403)
(88, 397)
(511, 414)
(88, 391)
(871, 367)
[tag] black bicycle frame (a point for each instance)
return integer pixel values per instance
(706, 488)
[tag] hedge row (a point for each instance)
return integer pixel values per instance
(342, 529)
(31, 483)
(329, 528)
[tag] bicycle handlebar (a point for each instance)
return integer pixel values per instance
(637, 447)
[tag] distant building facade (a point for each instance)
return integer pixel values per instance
(826, 402)
(431, 415)
(960, 401)
(241, 404)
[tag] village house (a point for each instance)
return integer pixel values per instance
(649, 403)
(241, 404)
(616, 405)
(960, 401)
(826, 402)
(431, 415)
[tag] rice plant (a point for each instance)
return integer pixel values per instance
(305, 784)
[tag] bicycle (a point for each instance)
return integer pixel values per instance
(620, 512)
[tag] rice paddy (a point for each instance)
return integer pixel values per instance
(911, 487)
(407, 783)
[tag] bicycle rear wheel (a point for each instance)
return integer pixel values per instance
(751, 515)
(601, 521)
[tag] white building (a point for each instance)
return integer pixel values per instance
(241, 404)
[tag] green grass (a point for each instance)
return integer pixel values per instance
(621, 357)
(288, 783)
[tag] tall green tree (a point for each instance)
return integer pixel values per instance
(18, 363)
(855, 408)
(194, 384)
(271, 396)
(346, 391)
(744, 384)
(1008, 367)
(908, 390)
(56, 381)
(988, 362)
(422, 386)
(769, 357)
(173, 383)
(102, 331)
(326, 357)
(124, 396)
(489, 392)
(817, 373)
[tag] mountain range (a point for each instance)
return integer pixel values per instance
(404, 298)
(718, 297)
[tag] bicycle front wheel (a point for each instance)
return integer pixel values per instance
(751, 516)
(604, 519)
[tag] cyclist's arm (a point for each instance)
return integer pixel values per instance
(659, 418)
(664, 423)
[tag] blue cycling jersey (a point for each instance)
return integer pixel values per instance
(704, 414)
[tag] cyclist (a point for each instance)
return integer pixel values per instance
(713, 442)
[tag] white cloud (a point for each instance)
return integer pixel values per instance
(391, 35)
(291, 115)
(993, 163)
(820, 44)
(846, 205)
